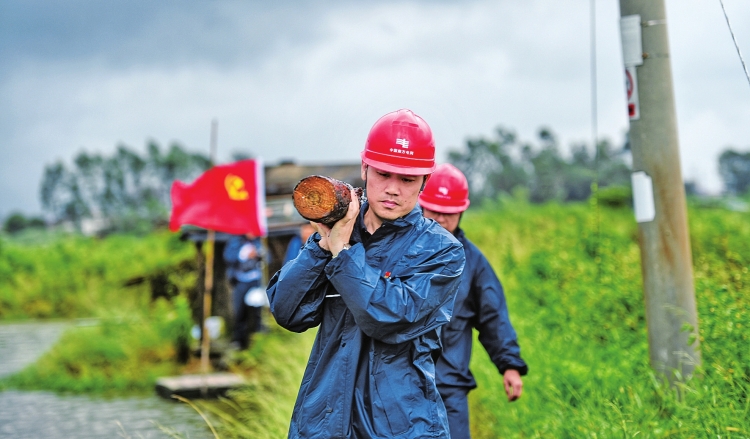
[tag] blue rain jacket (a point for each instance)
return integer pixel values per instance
(480, 303)
(240, 268)
(379, 307)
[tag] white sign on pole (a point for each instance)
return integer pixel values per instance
(631, 87)
(632, 44)
(643, 197)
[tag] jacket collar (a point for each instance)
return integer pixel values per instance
(410, 219)
(459, 233)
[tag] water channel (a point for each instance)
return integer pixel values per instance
(48, 415)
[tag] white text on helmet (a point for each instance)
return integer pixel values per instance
(401, 151)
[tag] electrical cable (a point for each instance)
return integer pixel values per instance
(595, 137)
(731, 31)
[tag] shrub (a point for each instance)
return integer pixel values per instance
(616, 196)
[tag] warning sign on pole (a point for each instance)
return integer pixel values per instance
(631, 86)
(632, 40)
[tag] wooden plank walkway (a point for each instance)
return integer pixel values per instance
(210, 385)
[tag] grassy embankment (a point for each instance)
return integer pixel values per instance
(67, 277)
(580, 314)
(576, 301)
(575, 297)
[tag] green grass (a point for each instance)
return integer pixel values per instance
(576, 300)
(68, 276)
(114, 356)
(65, 276)
(274, 367)
(573, 282)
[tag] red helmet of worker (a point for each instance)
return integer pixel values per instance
(400, 142)
(447, 191)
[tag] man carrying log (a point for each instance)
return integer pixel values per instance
(380, 282)
(480, 304)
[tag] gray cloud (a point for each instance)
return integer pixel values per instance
(305, 80)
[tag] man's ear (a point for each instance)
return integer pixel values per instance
(363, 172)
(424, 183)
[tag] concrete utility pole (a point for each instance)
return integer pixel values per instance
(658, 191)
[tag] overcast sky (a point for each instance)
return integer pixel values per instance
(306, 80)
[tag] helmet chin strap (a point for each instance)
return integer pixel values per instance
(364, 192)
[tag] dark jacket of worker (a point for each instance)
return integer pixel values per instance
(380, 306)
(480, 304)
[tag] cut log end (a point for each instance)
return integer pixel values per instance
(322, 199)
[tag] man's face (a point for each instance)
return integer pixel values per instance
(449, 221)
(391, 195)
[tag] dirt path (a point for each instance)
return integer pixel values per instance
(49, 415)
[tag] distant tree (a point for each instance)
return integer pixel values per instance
(36, 222)
(16, 221)
(241, 155)
(61, 194)
(125, 188)
(612, 169)
(502, 164)
(692, 188)
(492, 166)
(734, 169)
(549, 170)
(616, 196)
(580, 173)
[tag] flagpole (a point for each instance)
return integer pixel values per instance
(209, 279)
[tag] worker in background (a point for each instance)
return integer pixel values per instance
(297, 241)
(244, 257)
(379, 284)
(480, 304)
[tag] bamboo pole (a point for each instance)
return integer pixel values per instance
(209, 279)
(207, 301)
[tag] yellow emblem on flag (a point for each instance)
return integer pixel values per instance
(235, 187)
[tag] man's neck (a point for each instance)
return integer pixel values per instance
(372, 221)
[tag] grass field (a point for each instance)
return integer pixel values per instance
(572, 277)
(69, 276)
(581, 323)
(135, 339)
(573, 283)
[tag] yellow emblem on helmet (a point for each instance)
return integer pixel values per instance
(235, 187)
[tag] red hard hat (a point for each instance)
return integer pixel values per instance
(400, 142)
(447, 191)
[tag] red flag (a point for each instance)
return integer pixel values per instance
(228, 198)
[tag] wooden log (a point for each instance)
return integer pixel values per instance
(323, 199)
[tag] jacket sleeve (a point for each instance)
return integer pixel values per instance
(296, 292)
(416, 298)
(492, 320)
(232, 250)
